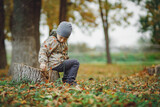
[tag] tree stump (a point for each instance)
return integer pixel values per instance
(22, 71)
(154, 70)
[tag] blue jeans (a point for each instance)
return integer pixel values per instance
(70, 68)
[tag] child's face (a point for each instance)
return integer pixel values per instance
(61, 38)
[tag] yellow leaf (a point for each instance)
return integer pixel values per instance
(1, 89)
(23, 101)
(122, 90)
(90, 101)
(157, 92)
(41, 96)
(153, 66)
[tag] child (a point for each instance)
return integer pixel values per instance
(53, 54)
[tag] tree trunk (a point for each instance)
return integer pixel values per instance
(3, 60)
(105, 28)
(109, 61)
(25, 33)
(63, 11)
(24, 72)
(37, 13)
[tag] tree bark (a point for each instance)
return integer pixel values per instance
(3, 60)
(109, 61)
(37, 13)
(105, 28)
(24, 72)
(25, 33)
(63, 11)
(154, 70)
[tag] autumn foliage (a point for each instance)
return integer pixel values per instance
(125, 87)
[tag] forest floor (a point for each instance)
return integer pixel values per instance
(100, 85)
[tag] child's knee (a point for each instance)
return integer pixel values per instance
(76, 62)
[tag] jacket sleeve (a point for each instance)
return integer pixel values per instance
(67, 57)
(66, 52)
(46, 48)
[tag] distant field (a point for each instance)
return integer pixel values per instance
(117, 58)
(103, 71)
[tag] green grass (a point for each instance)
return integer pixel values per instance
(118, 58)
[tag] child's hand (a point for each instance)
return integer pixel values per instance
(66, 57)
(43, 67)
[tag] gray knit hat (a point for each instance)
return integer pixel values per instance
(64, 29)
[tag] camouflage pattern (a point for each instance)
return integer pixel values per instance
(52, 52)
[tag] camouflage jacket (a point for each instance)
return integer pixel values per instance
(52, 52)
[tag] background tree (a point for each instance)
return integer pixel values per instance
(82, 14)
(8, 18)
(25, 32)
(78, 12)
(150, 21)
(109, 20)
(105, 28)
(3, 61)
(63, 11)
(50, 8)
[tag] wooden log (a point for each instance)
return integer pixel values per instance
(22, 71)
